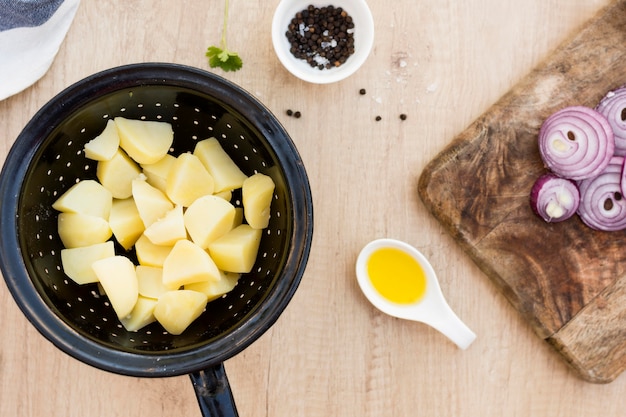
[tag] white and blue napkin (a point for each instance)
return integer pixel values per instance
(31, 32)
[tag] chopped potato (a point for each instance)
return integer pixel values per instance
(150, 254)
(216, 289)
(103, 146)
(150, 281)
(188, 180)
(188, 263)
(236, 251)
(77, 262)
(151, 203)
(223, 169)
(141, 316)
(157, 172)
(176, 310)
(119, 280)
(117, 174)
(257, 192)
(77, 230)
(125, 222)
(143, 140)
(169, 229)
(208, 218)
(85, 197)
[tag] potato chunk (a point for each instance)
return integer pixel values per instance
(176, 310)
(150, 254)
(117, 174)
(169, 229)
(151, 203)
(141, 316)
(208, 218)
(257, 192)
(119, 281)
(125, 222)
(236, 251)
(157, 173)
(188, 263)
(223, 169)
(77, 230)
(103, 146)
(77, 262)
(143, 140)
(188, 180)
(214, 290)
(85, 197)
(150, 280)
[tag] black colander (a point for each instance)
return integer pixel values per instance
(47, 158)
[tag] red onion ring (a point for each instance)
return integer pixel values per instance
(553, 198)
(602, 203)
(613, 107)
(576, 142)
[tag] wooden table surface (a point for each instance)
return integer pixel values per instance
(442, 63)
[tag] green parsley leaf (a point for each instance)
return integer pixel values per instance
(222, 57)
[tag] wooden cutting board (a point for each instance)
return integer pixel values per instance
(566, 279)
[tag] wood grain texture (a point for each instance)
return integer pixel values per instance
(478, 188)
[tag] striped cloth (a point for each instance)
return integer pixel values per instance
(31, 32)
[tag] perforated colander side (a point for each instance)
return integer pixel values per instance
(254, 140)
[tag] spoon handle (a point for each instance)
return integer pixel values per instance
(451, 326)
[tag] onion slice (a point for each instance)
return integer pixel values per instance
(613, 107)
(576, 142)
(553, 198)
(602, 203)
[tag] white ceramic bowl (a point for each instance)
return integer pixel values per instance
(363, 39)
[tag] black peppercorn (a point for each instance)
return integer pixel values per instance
(378, 118)
(403, 116)
(333, 42)
(362, 91)
(297, 114)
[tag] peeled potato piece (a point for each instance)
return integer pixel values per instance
(157, 172)
(143, 140)
(188, 263)
(214, 290)
(150, 254)
(176, 310)
(77, 230)
(150, 281)
(103, 146)
(141, 315)
(188, 180)
(117, 174)
(77, 261)
(169, 229)
(119, 280)
(223, 169)
(125, 222)
(208, 218)
(256, 193)
(236, 251)
(86, 197)
(151, 203)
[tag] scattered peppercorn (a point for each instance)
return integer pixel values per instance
(297, 115)
(403, 116)
(362, 91)
(289, 112)
(322, 36)
(378, 118)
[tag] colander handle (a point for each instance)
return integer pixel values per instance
(213, 392)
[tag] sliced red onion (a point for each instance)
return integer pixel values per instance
(576, 142)
(613, 107)
(602, 203)
(553, 198)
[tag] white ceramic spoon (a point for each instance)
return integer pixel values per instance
(363, 39)
(431, 309)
